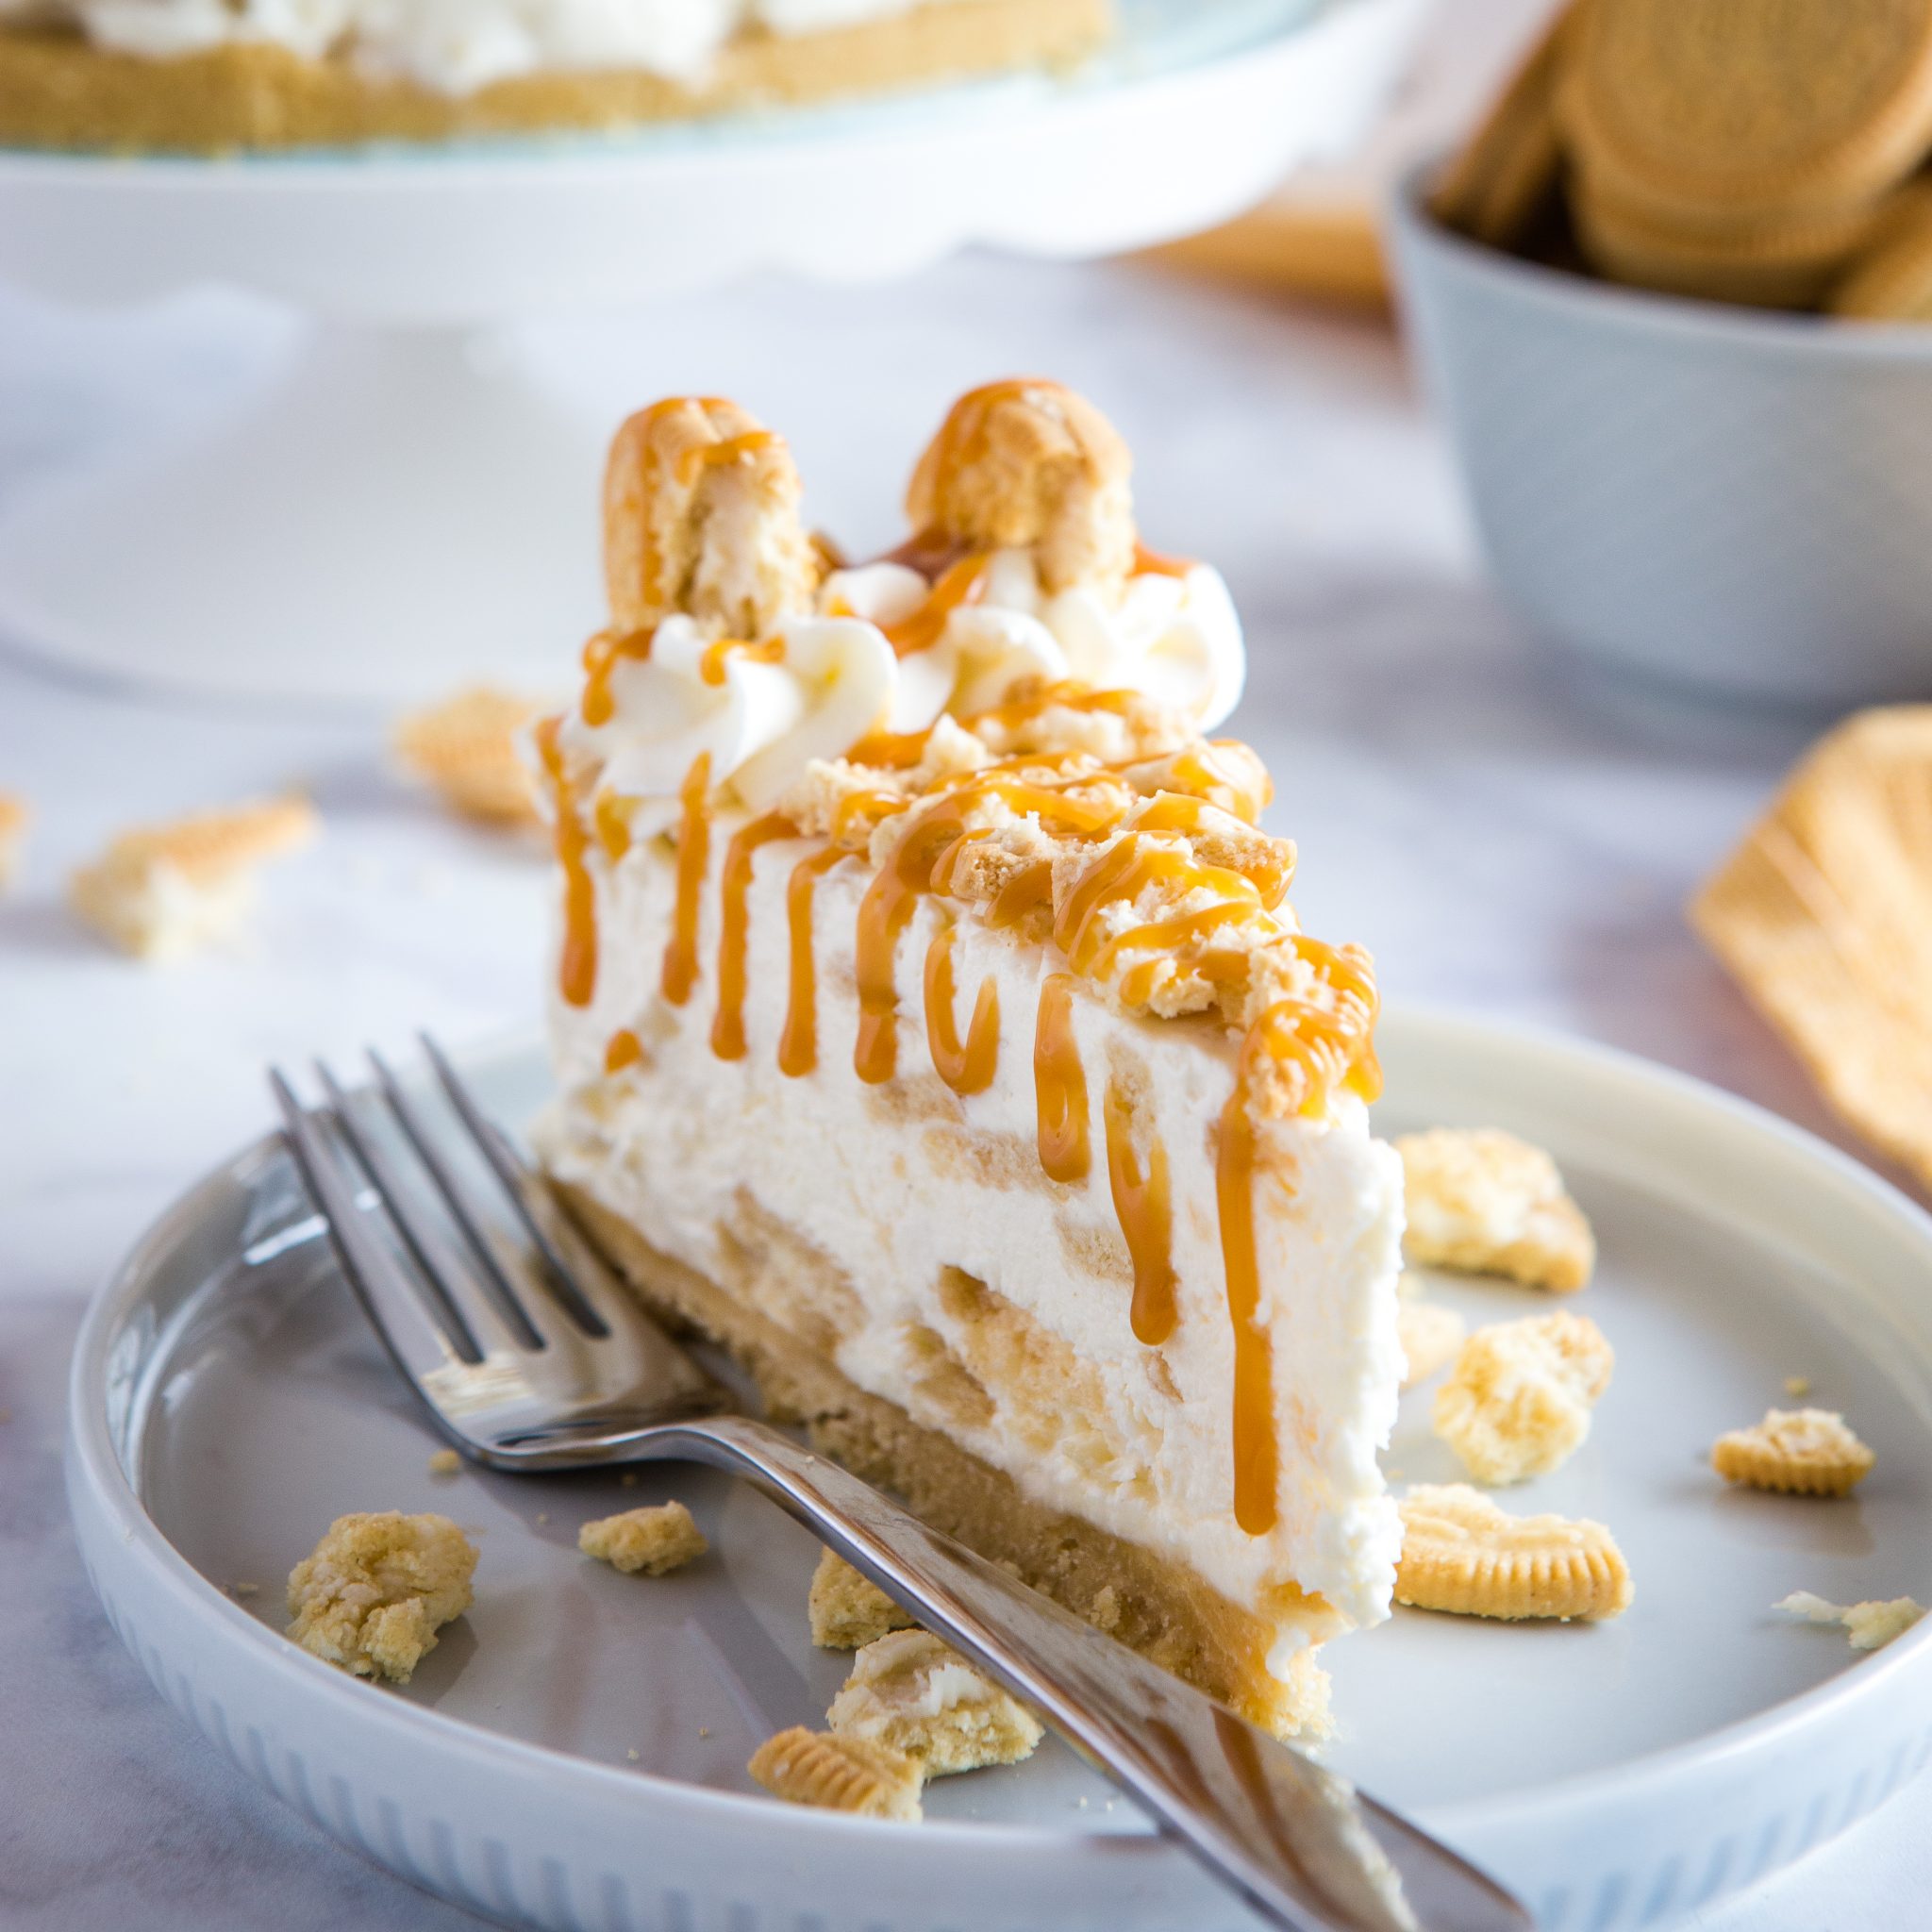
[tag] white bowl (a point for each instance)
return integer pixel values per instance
(1722, 496)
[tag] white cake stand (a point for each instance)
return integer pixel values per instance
(403, 513)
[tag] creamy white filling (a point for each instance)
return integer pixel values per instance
(456, 45)
(763, 720)
(898, 1185)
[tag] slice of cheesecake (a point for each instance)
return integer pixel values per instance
(931, 1028)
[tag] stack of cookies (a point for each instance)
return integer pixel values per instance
(1766, 152)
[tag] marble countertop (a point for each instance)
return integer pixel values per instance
(1506, 831)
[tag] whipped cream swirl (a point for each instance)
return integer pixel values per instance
(454, 45)
(765, 712)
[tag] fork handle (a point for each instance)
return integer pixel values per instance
(1293, 1839)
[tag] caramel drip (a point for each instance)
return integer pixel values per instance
(602, 655)
(863, 811)
(1151, 563)
(1141, 1200)
(694, 849)
(1020, 894)
(883, 914)
(1201, 772)
(1256, 1455)
(1060, 1084)
(924, 857)
(969, 1069)
(891, 751)
(576, 973)
(711, 664)
(1054, 698)
(1169, 935)
(625, 1050)
(961, 584)
(728, 1024)
(1119, 876)
(610, 816)
(693, 462)
(1329, 1047)
(798, 1047)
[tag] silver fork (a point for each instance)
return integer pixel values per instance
(531, 1356)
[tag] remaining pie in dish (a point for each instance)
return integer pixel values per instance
(211, 75)
(931, 1028)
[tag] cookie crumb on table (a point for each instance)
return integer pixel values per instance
(160, 892)
(465, 748)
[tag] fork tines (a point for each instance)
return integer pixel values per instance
(434, 1217)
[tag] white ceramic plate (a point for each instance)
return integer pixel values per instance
(572, 1753)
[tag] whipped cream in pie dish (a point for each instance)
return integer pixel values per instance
(455, 46)
(932, 1027)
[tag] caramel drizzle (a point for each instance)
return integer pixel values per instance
(728, 1024)
(694, 849)
(610, 815)
(713, 664)
(1144, 1207)
(577, 972)
(700, 456)
(798, 1046)
(1152, 564)
(1125, 871)
(624, 1050)
(1328, 1046)
(923, 863)
(1023, 893)
(1060, 1084)
(959, 586)
(602, 655)
(969, 1069)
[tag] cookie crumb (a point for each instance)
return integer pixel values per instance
(160, 892)
(1797, 1387)
(1485, 1203)
(465, 748)
(377, 1589)
(1518, 1402)
(847, 1611)
(1870, 1626)
(913, 1691)
(1799, 1452)
(1461, 1554)
(656, 1540)
(446, 1463)
(838, 1774)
